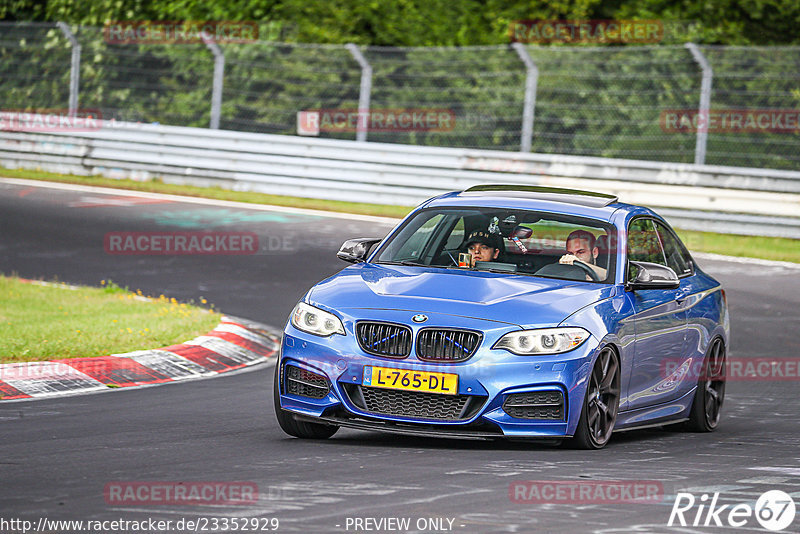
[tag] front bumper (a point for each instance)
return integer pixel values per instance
(485, 382)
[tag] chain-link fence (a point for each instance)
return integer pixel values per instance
(591, 101)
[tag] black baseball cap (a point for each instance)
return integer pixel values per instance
(483, 237)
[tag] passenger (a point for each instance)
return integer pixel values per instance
(483, 246)
(581, 246)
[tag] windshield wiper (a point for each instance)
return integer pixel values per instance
(414, 264)
(405, 262)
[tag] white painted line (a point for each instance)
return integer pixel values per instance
(240, 331)
(39, 369)
(791, 471)
(227, 349)
(197, 200)
(747, 261)
(173, 365)
(765, 480)
(44, 379)
(255, 326)
(48, 284)
(43, 387)
(300, 211)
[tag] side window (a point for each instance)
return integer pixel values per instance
(643, 243)
(678, 258)
(456, 236)
(412, 248)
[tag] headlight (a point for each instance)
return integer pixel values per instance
(542, 341)
(315, 321)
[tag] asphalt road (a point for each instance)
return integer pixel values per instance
(57, 456)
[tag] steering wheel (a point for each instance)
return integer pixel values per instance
(591, 272)
(568, 271)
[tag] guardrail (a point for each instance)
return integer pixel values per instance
(714, 198)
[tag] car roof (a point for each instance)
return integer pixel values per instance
(556, 200)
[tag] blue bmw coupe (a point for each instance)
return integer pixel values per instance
(508, 311)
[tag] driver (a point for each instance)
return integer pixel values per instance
(482, 246)
(581, 247)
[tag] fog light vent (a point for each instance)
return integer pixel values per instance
(535, 405)
(305, 383)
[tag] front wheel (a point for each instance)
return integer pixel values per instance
(287, 422)
(707, 404)
(599, 412)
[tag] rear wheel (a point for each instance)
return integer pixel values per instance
(287, 422)
(707, 404)
(599, 412)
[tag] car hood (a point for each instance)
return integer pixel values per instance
(520, 300)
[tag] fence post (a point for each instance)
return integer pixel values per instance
(219, 74)
(705, 103)
(531, 80)
(364, 91)
(75, 68)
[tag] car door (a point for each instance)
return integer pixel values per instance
(683, 368)
(660, 324)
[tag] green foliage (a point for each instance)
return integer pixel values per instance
(112, 288)
(594, 101)
(145, 82)
(435, 22)
(22, 10)
(34, 68)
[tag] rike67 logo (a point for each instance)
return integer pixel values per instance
(774, 510)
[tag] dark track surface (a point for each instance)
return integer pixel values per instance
(57, 455)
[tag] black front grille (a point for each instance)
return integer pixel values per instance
(384, 339)
(418, 405)
(446, 344)
(535, 405)
(305, 383)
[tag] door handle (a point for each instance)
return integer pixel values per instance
(680, 296)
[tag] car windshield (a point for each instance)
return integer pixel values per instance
(505, 240)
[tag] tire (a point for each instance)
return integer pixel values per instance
(287, 422)
(601, 403)
(710, 394)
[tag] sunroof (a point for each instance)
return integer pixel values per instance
(555, 194)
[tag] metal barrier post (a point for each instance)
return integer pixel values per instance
(364, 91)
(705, 103)
(219, 74)
(75, 68)
(531, 80)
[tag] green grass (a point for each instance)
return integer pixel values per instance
(771, 248)
(768, 248)
(49, 322)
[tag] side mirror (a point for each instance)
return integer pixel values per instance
(356, 250)
(653, 276)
